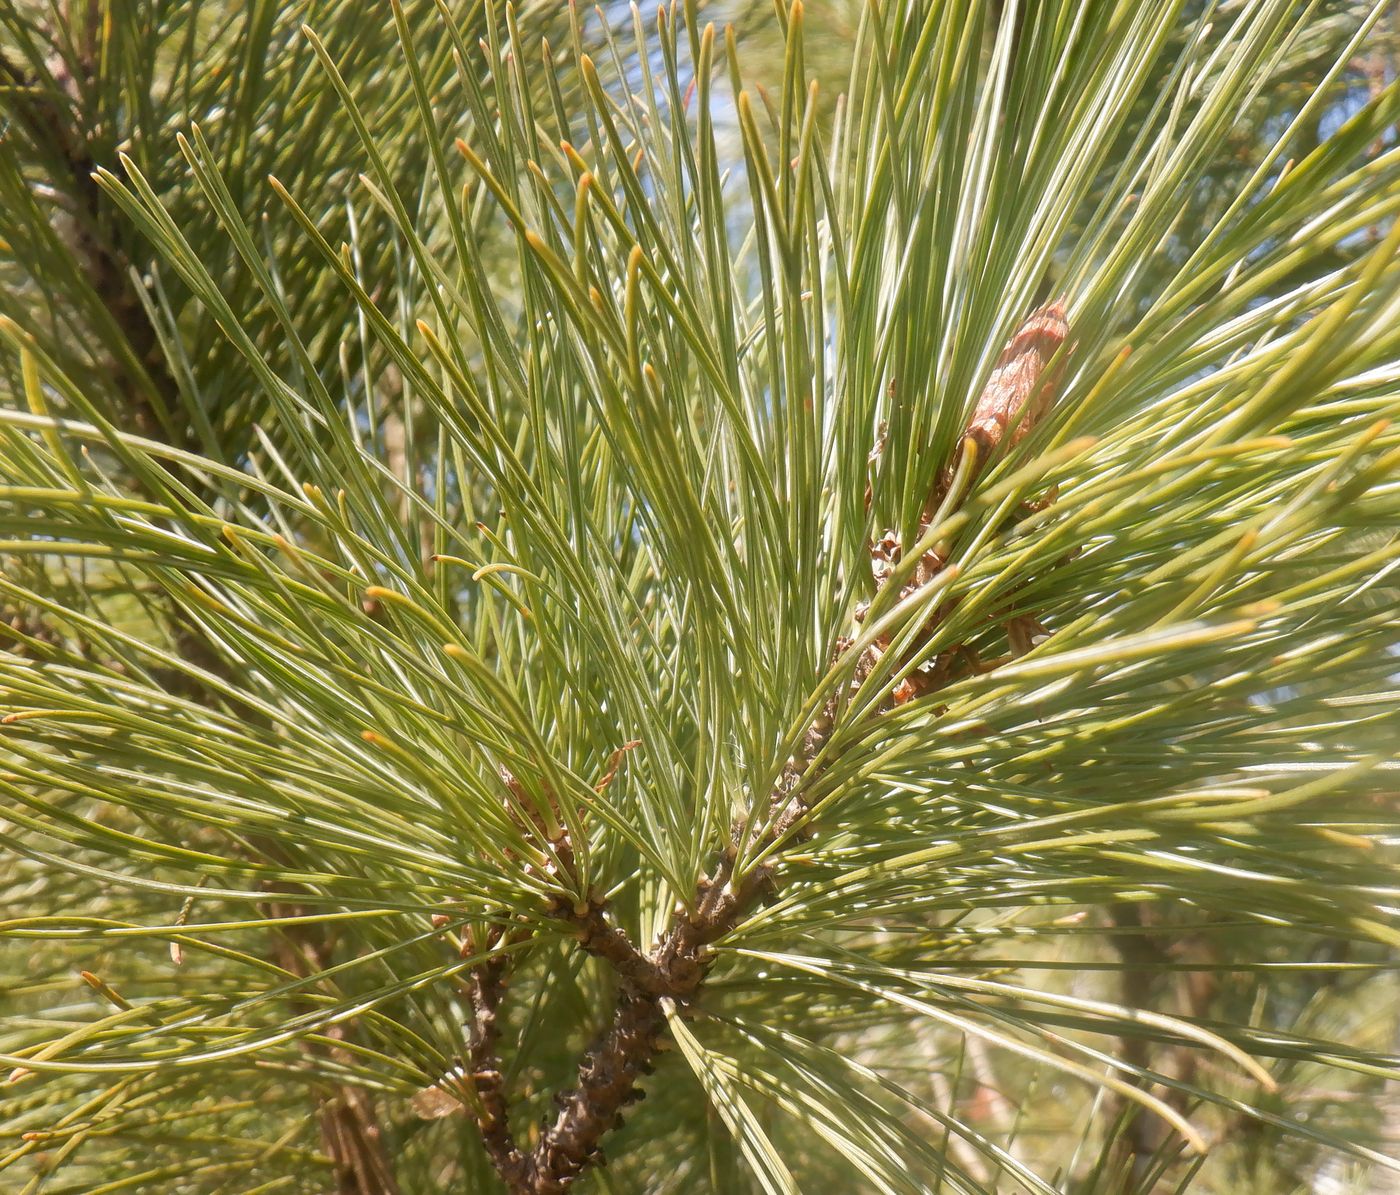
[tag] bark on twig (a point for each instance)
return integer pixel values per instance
(600, 937)
(624, 1052)
(486, 1080)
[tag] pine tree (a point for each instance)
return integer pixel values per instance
(586, 614)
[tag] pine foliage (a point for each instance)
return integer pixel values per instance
(542, 573)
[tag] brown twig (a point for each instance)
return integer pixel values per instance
(599, 936)
(486, 1081)
(607, 1082)
(624, 1052)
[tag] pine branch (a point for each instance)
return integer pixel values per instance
(1017, 395)
(676, 455)
(349, 1127)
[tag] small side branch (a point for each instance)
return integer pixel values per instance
(492, 1113)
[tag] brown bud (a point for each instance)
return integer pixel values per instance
(1017, 377)
(433, 1103)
